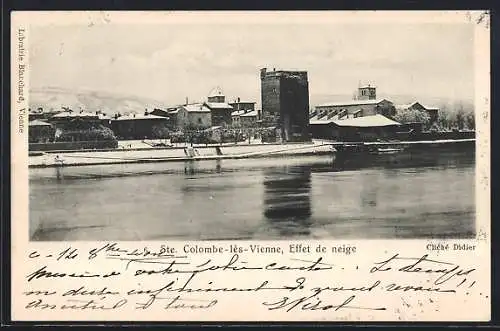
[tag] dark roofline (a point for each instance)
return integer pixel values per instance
(162, 118)
(288, 71)
(269, 73)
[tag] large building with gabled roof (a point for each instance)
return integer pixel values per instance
(364, 128)
(365, 104)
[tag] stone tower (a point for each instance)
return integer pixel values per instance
(285, 103)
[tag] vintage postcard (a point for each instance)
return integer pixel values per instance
(250, 166)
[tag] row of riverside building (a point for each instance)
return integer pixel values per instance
(365, 118)
(285, 107)
(215, 112)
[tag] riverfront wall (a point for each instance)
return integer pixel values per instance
(73, 145)
(176, 154)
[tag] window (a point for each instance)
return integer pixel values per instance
(199, 120)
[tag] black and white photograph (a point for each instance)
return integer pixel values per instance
(315, 166)
(252, 129)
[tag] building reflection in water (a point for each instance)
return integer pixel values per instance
(287, 199)
(189, 168)
(369, 186)
(218, 166)
(59, 174)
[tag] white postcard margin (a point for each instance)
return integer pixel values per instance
(396, 294)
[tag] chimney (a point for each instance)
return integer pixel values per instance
(187, 101)
(239, 99)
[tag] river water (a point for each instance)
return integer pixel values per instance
(421, 195)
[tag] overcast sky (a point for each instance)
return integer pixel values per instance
(172, 62)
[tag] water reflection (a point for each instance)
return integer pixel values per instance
(189, 167)
(426, 194)
(408, 159)
(59, 174)
(287, 199)
(218, 166)
(369, 195)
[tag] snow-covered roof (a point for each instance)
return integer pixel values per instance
(103, 116)
(353, 103)
(197, 107)
(237, 113)
(430, 107)
(75, 114)
(409, 105)
(250, 113)
(219, 105)
(38, 123)
(134, 117)
(364, 121)
(166, 111)
(403, 106)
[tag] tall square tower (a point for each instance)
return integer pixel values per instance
(285, 103)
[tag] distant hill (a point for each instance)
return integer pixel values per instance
(54, 98)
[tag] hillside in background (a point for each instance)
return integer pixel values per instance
(54, 98)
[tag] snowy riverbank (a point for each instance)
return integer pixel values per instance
(144, 155)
